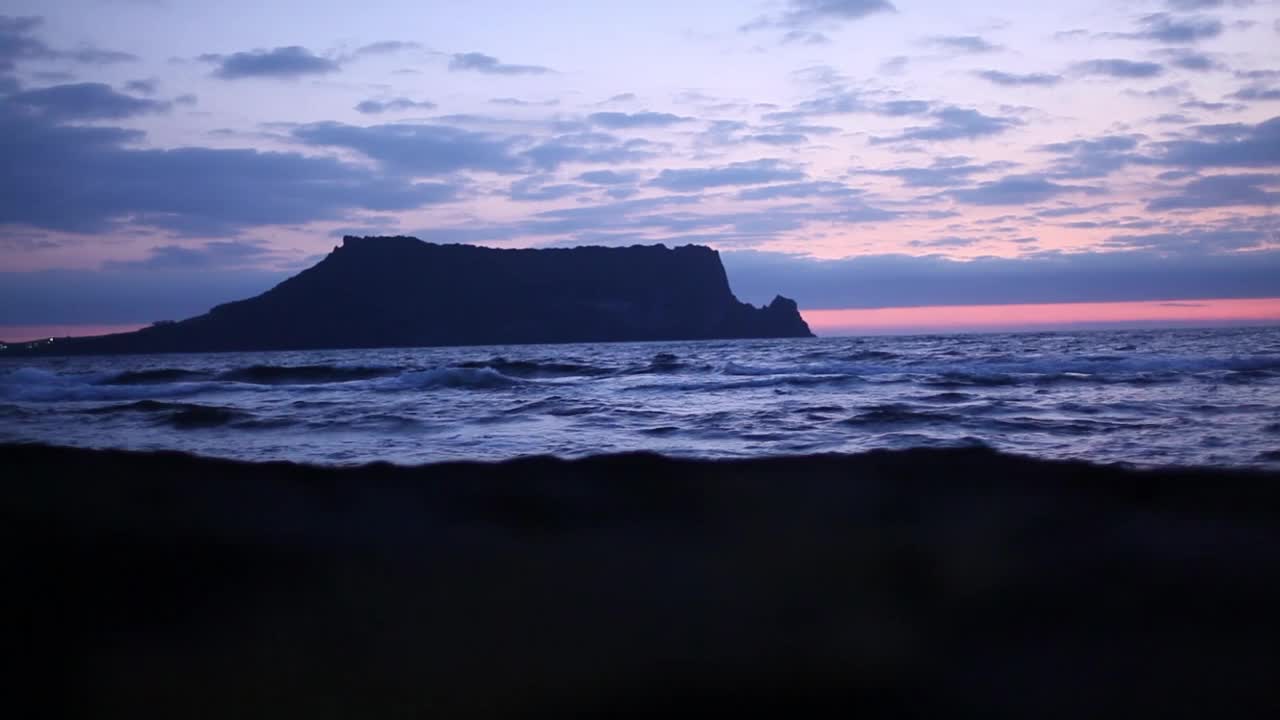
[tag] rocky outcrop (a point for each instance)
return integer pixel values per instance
(402, 292)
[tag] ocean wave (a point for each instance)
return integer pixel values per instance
(12, 411)
(453, 377)
(897, 414)
(535, 369)
(147, 377)
(663, 364)
(865, 355)
(1062, 426)
(183, 416)
(306, 374)
(952, 380)
(553, 405)
(1003, 370)
(37, 385)
(759, 382)
(949, 397)
(739, 369)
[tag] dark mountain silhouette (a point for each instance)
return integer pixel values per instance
(402, 292)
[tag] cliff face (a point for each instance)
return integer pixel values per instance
(400, 291)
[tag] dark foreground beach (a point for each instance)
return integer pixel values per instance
(941, 583)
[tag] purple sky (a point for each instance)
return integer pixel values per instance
(160, 156)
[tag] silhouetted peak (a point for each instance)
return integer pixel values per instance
(783, 304)
(380, 242)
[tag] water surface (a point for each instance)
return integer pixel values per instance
(1162, 397)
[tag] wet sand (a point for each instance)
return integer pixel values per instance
(943, 583)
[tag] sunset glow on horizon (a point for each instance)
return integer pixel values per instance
(1060, 316)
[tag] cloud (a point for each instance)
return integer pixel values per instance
(93, 179)
(417, 149)
(1203, 242)
(1073, 210)
(798, 190)
(1019, 80)
(1165, 28)
(387, 47)
(778, 139)
(219, 254)
(17, 42)
(943, 172)
(282, 62)
(1192, 60)
(98, 56)
(1097, 157)
(953, 123)
(1239, 145)
(804, 37)
(1118, 68)
(839, 101)
(143, 86)
(488, 64)
(1194, 5)
(1256, 92)
(621, 120)
(516, 102)
(1016, 190)
(535, 189)
(963, 43)
(1222, 191)
(608, 177)
(400, 104)
(674, 219)
(945, 242)
(1257, 74)
(592, 148)
(802, 13)
(1201, 105)
(899, 108)
(895, 65)
(755, 172)
(82, 101)
(905, 281)
(722, 132)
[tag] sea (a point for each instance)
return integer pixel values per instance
(1183, 397)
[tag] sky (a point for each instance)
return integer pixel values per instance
(890, 164)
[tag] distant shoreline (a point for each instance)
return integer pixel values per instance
(14, 352)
